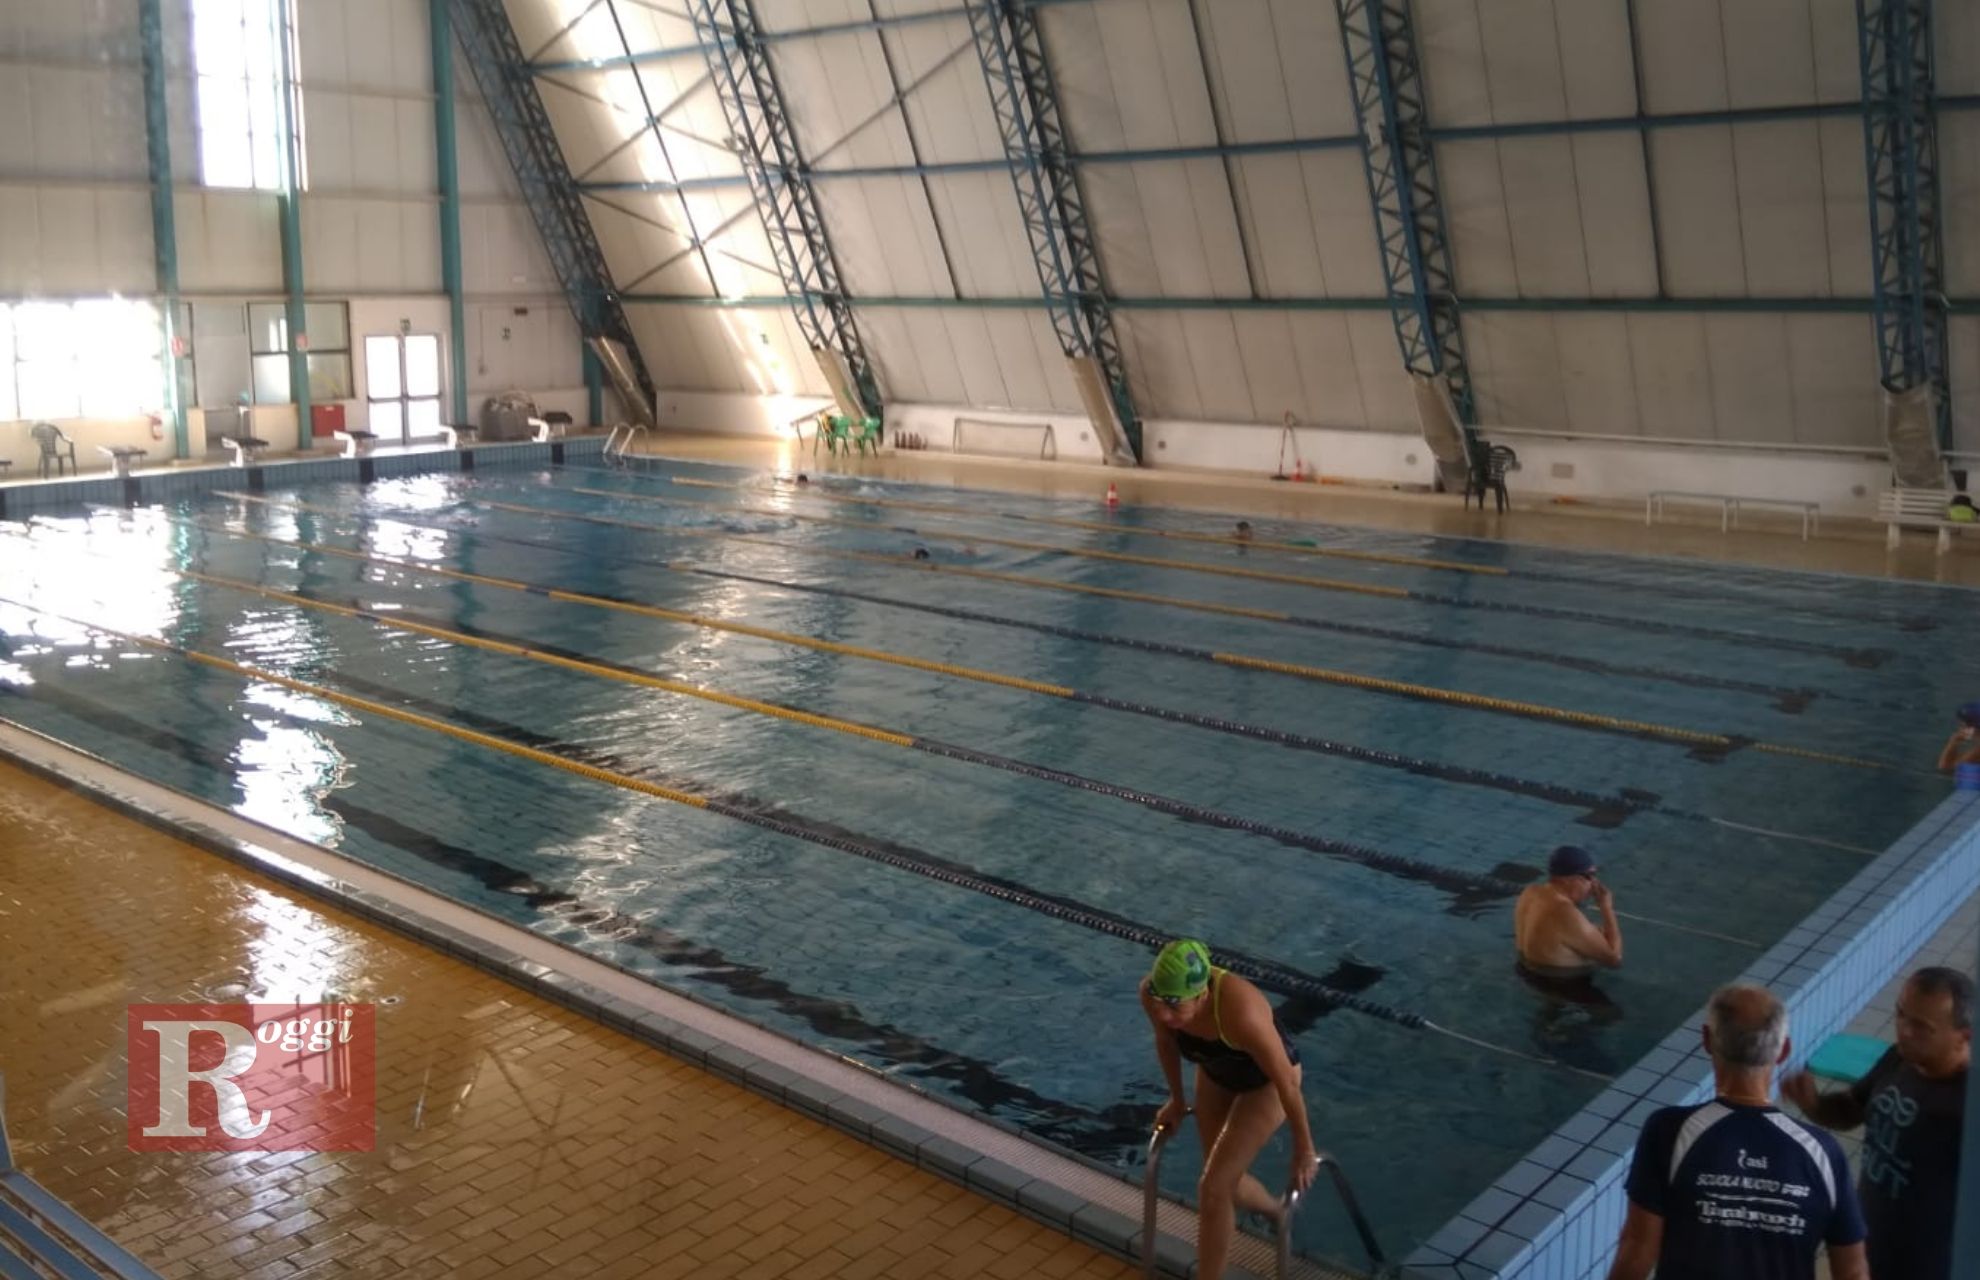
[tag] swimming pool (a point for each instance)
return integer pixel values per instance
(1334, 761)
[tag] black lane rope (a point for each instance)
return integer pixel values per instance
(824, 491)
(1850, 655)
(1270, 975)
(1599, 810)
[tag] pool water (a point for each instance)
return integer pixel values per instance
(958, 880)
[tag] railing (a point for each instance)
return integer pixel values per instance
(39, 1233)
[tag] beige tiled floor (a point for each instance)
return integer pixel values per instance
(1845, 546)
(515, 1138)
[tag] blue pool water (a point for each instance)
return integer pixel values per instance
(1732, 743)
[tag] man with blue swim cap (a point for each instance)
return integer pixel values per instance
(1555, 940)
(1247, 1085)
(1963, 748)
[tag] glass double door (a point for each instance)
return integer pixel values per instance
(402, 386)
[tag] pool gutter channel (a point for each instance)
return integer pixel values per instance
(1089, 1203)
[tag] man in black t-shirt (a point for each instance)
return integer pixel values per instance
(1912, 1107)
(1734, 1189)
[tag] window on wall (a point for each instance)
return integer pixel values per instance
(328, 327)
(97, 358)
(241, 56)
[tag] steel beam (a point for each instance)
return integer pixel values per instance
(1386, 77)
(1025, 103)
(555, 204)
(780, 185)
(446, 157)
(164, 229)
(290, 202)
(1901, 157)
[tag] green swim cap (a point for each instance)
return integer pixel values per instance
(1182, 970)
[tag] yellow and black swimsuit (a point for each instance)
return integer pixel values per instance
(1223, 1061)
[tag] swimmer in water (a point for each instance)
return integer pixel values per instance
(1247, 1085)
(921, 553)
(1557, 943)
(1244, 531)
(1963, 747)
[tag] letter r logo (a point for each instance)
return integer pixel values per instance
(176, 1079)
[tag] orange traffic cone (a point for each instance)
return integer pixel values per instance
(1113, 496)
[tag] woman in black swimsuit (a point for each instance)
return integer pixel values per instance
(1224, 1025)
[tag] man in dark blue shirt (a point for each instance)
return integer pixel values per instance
(1912, 1106)
(1734, 1189)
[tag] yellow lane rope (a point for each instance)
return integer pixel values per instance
(1325, 675)
(1065, 522)
(670, 615)
(1085, 553)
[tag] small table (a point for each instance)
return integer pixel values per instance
(122, 457)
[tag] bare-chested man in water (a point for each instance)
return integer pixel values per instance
(1559, 946)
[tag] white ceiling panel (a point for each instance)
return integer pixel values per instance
(1752, 394)
(1959, 199)
(1543, 210)
(1386, 390)
(982, 378)
(1673, 376)
(1518, 384)
(1963, 336)
(1270, 365)
(1698, 212)
(1770, 52)
(1475, 211)
(1598, 383)
(887, 334)
(1615, 215)
(1781, 207)
(1832, 367)
(1025, 385)
(1059, 384)
(1343, 224)
(670, 357)
(1452, 49)
(1115, 205)
(949, 110)
(1684, 56)
(1522, 52)
(1254, 47)
(1218, 365)
(1837, 76)
(1596, 57)
(1956, 60)
(1279, 227)
(1327, 367)
(933, 351)
(1168, 205)
(1164, 382)
(985, 236)
(1079, 55)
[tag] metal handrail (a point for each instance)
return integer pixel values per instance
(1151, 1199)
(1290, 1204)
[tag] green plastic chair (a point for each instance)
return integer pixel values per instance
(836, 431)
(868, 439)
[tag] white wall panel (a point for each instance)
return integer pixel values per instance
(1846, 209)
(1219, 367)
(1752, 395)
(1452, 49)
(1781, 206)
(1683, 55)
(1698, 212)
(1959, 199)
(1278, 226)
(932, 351)
(74, 123)
(982, 379)
(1597, 71)
(1837, 76)
(1963, 336)
(1277, 69)
(1018, 363)
(1386, 392)
(1159, 365)
(1343, 224)
(1542, 208)
(985, 236)
(1956, 61)
(1598, 382)
(1516, 369)
(887, 334)
(1615, 215)
(1832, 367)
(1328, 369)
(36, 29)
(1475, 211)
(228, 242)
(1522, 53)
(1270, 365)
(1673, 376)
(1770, 52)
(949, 111)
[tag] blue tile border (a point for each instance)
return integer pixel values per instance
(1555, 1215)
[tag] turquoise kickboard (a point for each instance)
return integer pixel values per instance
(1847, 1059)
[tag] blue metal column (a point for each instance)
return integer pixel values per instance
(290, 201)
(441, 24)
(164, 231)
(594, 387)
(1026, 104)
(1901, 156)
(555, 205)
(780, 183)
(1387, 79)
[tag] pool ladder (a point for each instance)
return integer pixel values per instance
(1288, 1205)
(619, 443)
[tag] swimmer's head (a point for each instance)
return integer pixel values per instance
(1969, 715)
(1244, 529)
(921, 553)
(1181, 972)
(803, 478)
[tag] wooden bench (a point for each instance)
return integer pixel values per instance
(456, 436)
(1730, 505)
(245, 448)
(356, 443)
(1917, 509)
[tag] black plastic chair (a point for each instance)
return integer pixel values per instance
(1489, 464)
(54, 447)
